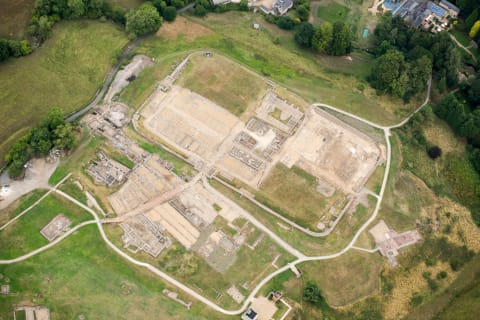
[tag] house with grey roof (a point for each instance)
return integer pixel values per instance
(452, 9)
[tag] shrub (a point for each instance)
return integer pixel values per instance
(170, 13)
(441, 275)
(434, 152)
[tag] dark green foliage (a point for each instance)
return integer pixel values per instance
(170, 13)
(426, 274)
(416, 300)
(200, 10)
(304, 34)
(313, 295)
(441, 275)
(303, 12)
(421, 50)
(341, 39)
(52, 132)
(471, 19)
(473, 92)
(389, 73)
(13, 48)
(144, 20)
(387, 284)
(4, 53)
(47, 12)
(243, 5)
(285, 22)
(434, 152)
(463, 120)
(432, 284)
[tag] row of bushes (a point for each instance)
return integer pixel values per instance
(13, 48)
(52, 132)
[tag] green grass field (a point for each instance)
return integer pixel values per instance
(65, 72)
(24, 236)
(20, 204)
(333, 12)
(284, 187)
(15, 16)
(81, 276)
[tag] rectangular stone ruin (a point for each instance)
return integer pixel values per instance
(55, 227)
(142, 234)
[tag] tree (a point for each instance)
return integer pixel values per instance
(4, 50)
(303, 12)
(64, 137)
(389, 73)
(322, 37)
(304, 34)
(341, 39)
(442, 84)
(470, 21)
(200, 10)
(243, 5)
(419, 73)
(474, 30)
(177, 3)
(170, 13)
(434, 152)
(286, 23)
(453, 59)
(76, 8)
(40, 140)
(160, 5)
(143, 20)
(311, 293)
(474, 92)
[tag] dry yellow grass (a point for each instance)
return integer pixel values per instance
(346, 279)
(410, 282)
(225, 82)
(182, 27)
(440, 134)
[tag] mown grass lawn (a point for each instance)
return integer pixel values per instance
(81, 276)
(333, 12)
(23, 235)
(65, 72)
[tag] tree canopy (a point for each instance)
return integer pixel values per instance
(144, 20)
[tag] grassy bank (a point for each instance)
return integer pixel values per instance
(65, 72)
(24, 236)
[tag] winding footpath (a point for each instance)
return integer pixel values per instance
(300, 257)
